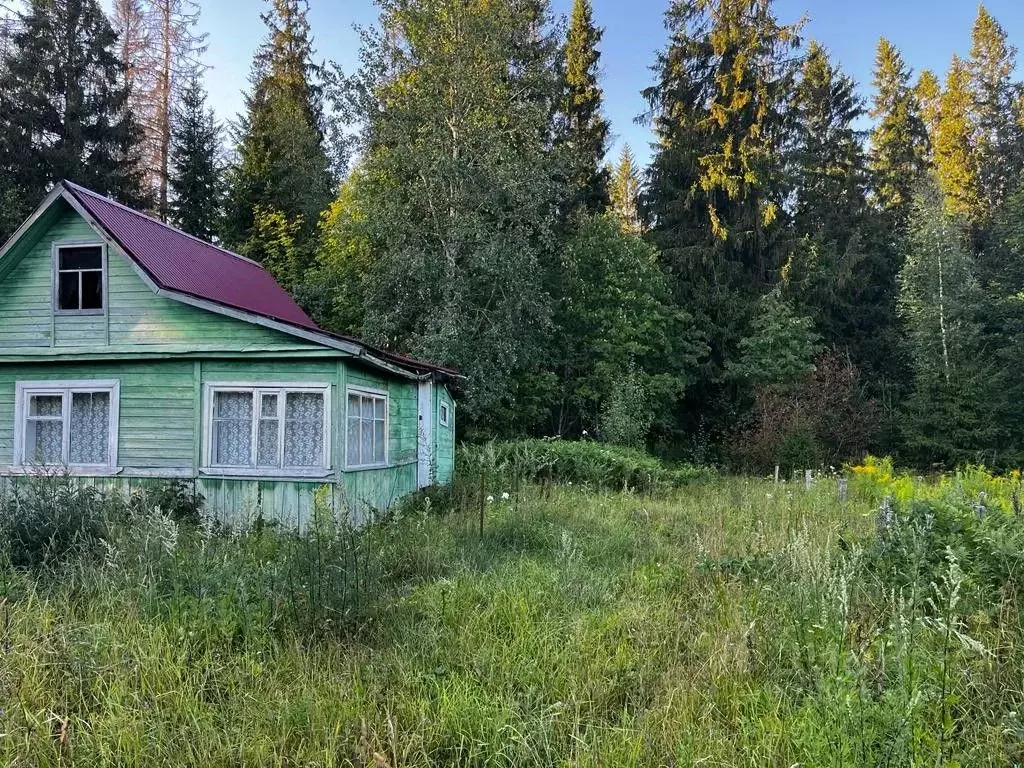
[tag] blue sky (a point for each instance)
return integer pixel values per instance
(928, 32)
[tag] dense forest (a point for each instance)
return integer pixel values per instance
(779, 286)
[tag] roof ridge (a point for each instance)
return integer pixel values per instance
(164, 224)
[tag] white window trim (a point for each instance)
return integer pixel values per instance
(257, 389)
(65, 388)
(55, 278)
(370, 391)
(444, 414)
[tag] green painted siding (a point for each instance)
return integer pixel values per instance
(157, 409)
(160, 424)
(403, 415)
(141, 339)
(136, 320)
(444, 437)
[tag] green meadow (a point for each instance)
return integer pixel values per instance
(724, 622)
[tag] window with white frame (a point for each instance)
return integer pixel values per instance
(69, 424)
(79, 278)
(367, 429)
(267, 429)
(445, 416)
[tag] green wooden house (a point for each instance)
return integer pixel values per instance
(131, 351)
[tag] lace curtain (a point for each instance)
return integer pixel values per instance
(232, 429)
(90, 428)
(304, 430)
(268, 441)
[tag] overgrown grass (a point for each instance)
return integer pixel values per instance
(599, 466)
(734, 622)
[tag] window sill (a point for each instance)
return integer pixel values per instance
(247, 473)
(60, 470)
(367, 467)
(79, 312)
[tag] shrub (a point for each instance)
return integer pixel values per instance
(174, 498)
(597, 465)
(919, 538)
(627, 415)
(50, 520)
(822, 418)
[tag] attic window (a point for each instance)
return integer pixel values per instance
(80, 278)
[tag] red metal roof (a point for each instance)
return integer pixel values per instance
(180, 262)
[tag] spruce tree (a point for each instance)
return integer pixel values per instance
(899, 141)
(999, 132)
(718, 184)
(829, 159)
(1001, 273)
(831, 271)
(929, 94)
(282, 167)
(63, 106)
(624, 192)
(956, 165)
(585, 130)
(195, 173)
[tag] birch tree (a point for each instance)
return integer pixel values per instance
(463, 192)
(952, 409)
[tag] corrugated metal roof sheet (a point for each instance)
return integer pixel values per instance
(180, 262)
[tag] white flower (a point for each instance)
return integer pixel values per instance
(570, 482)
(585, 433)
(490, 499)
(505, 496)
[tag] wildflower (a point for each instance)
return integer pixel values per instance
(886, 518)
(490, 499)
(505, 496)
(585, 433)
(570, 482)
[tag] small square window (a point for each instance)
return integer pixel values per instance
(80, 278)
(445, 415)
